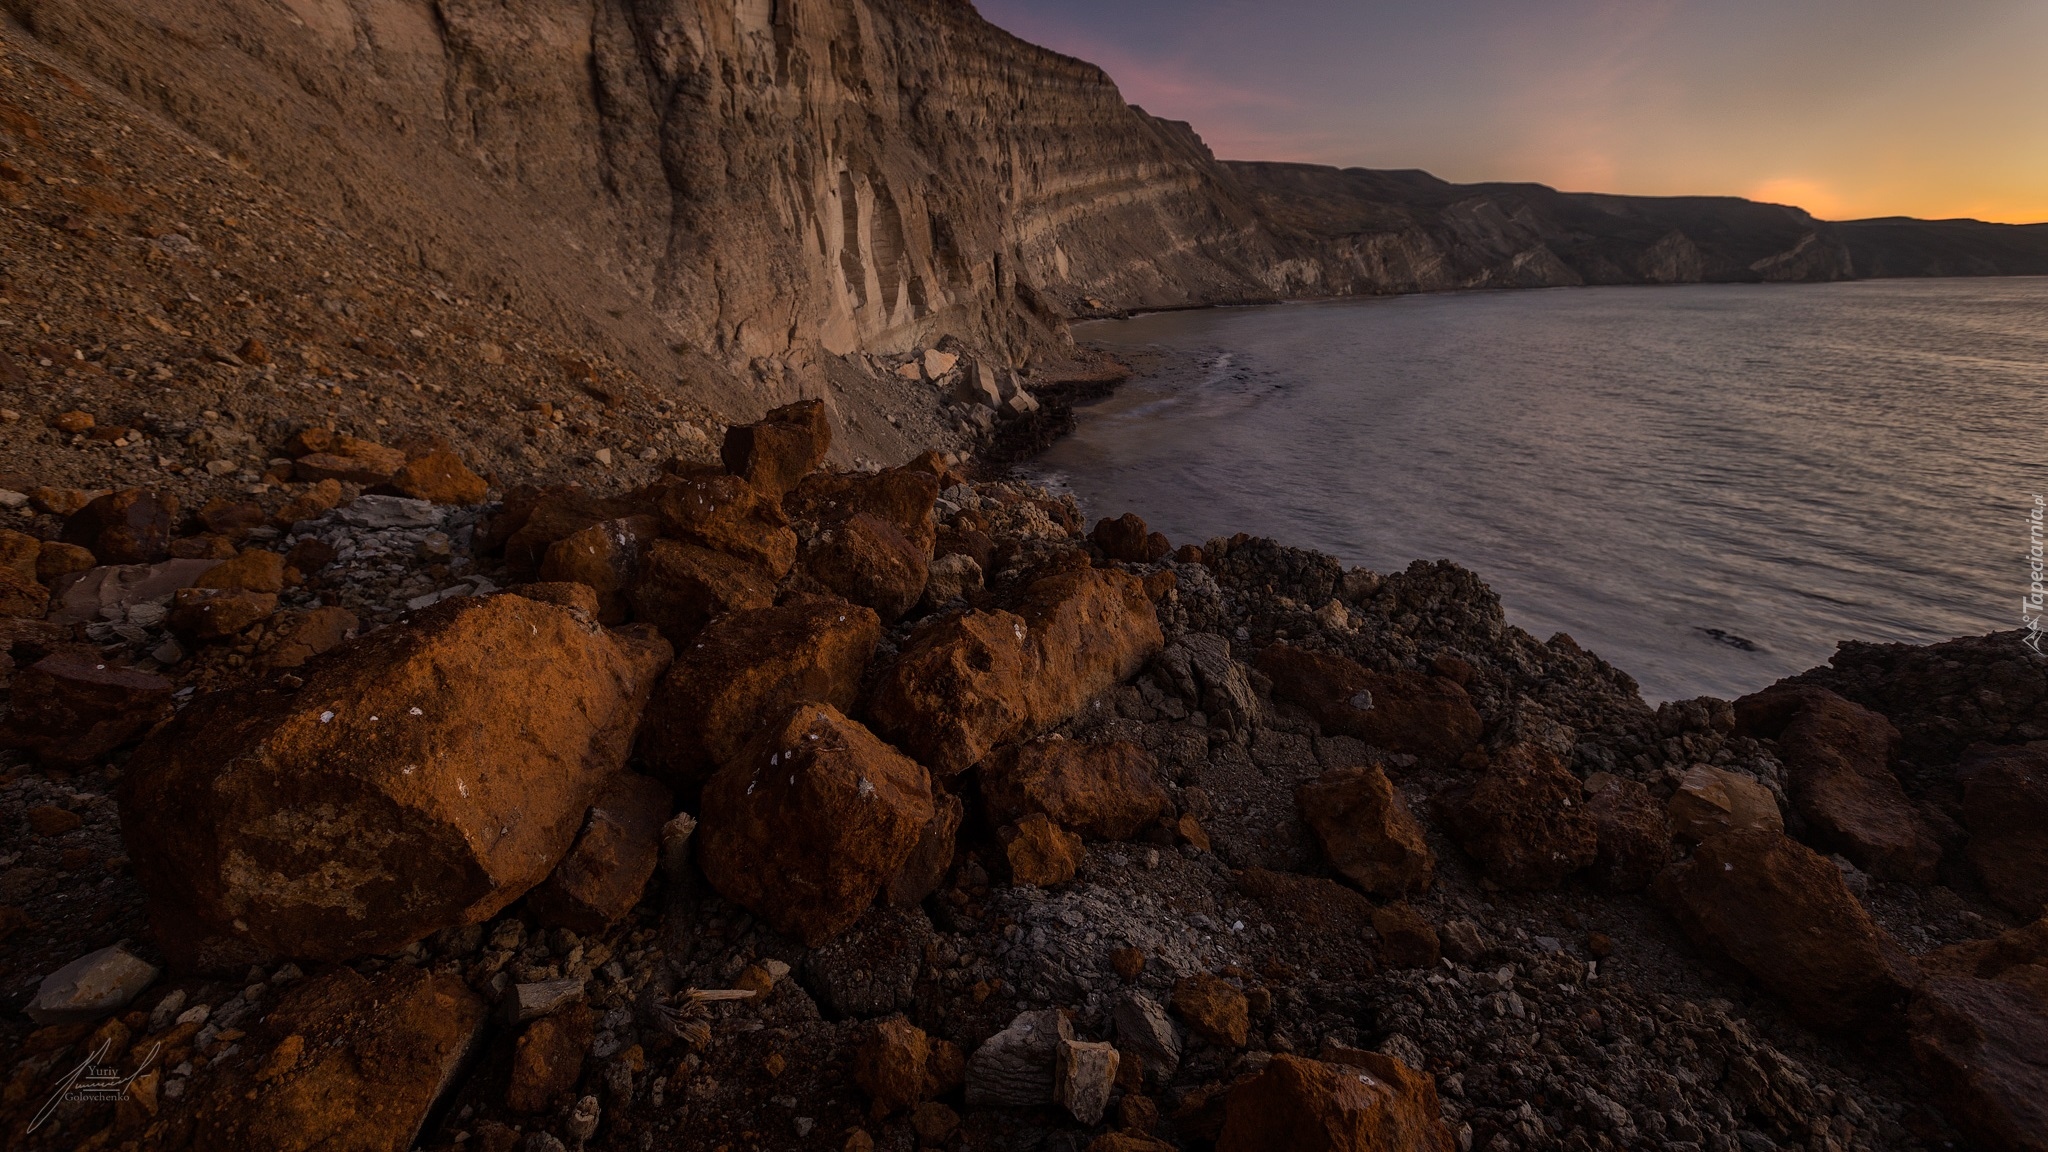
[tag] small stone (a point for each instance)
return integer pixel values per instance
(1083, 1075)
(96, 984)
(50, 820)
(253, 570)
(1367, 831)
(614, 856)
(74, 422)
(781, 448)
(1040, 852)
(440, 476)
(132, 526)
(1101, 791)
(1127, 539)
(1128, 963)
(315, 500)
(528, 1002)
(1713, 800)
(1525, 820)
(1145, 1033)
(933, 1122)
(203, 614)
(1376, 1104)
(1214, 1009)
(950, 578)
(890, 1064)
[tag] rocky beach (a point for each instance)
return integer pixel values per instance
(434, 720)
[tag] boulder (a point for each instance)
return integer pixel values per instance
(547, 1060)
(1377, 1104)
(95, 985)
(70, 710)
(1428, 717)
(746, 670)
(871, 968)
(614, 856)
(1015, 1068)
(1084, 1071)
(109, 591)
(810, 821)
(1367, 833)
(865, 559)
(22, 596)
(903, 498)
(531, 1001)
(351, 1063)
(132, 526)
(534, 518)
(972, 682)
(1634, 838)
(727, 514)
(1407, 938)
(1102, 791)
(315, 500)
(782, 447)
(1038, 852)
(297, 635)
(1144, 1032)
(1783, 913)
(234, 519)
(951, 578)
(1983, 1047)
(441, 477)
(1127, 539)
(1711, 800)
(682, 587)
(1214, 1009)
(203, 614)
(892, 1064)
(2018, 956)
(349, 460)
(1199, 666)
(251, 570)
(55, 560)
(929, 862)
(1525, 820)
(1837, 758)
(605, 557)
(423, 776)
(2005, 807)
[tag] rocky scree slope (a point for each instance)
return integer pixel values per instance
(763, 805)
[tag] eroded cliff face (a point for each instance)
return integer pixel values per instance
(740, 185)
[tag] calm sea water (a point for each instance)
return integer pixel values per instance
(1708, 485)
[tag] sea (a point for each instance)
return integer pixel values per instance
(1708, 485)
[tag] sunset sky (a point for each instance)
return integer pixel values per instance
(1847, 108)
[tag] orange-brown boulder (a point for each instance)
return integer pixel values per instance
(440, 476)
(746, 671)
(234, 519)
(1407, 938)
(55, 560)
(978, 680)
(1634, 837)
(726, 514)
(682, 587)
(1102, 791)
(71, 710)
(1428, 717)
(1783, 913)
(548, 1059)
(1376, 1104)
(1038, 852)
(297, 636)
(1214, 1009)
(1366, 830)
(315, 500)
(808, 823)
(350, 460)
(1127, 539)
(1983, 1047)
(929, 862)
(778, 450)
(22, 596)
(1837, 758)
(423, 776)
(614, 856)
(868, 561)
(1525, 819)
(203, 614)
(132, 526)
(2005, 807)
(605, 556)
(534, 518)
(900, 497)
(252, 570)
(345, 1063)
(892, 1064)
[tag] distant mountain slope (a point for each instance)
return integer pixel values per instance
(1357, 230)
